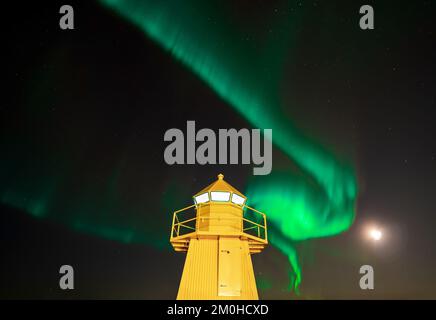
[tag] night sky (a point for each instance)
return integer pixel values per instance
(83, 179)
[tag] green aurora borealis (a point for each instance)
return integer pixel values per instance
(317, 202)
(315, 197)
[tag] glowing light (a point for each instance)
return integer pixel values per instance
(220, 196)
(202, 198)
(375, 234)
(238, 199)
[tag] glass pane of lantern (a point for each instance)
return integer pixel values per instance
(202, 198)
(238, 199)
(220, 196)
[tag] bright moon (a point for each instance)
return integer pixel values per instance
(375, 234)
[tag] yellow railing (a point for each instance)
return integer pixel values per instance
(257, 226)
(182, 226)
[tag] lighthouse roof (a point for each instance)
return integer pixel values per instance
(220, 185)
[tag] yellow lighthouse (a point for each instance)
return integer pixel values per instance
(219, 232)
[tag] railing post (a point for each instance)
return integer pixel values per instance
(242, 219)
(172, 225)
(265, 228)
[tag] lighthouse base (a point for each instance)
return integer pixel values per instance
(218, 268)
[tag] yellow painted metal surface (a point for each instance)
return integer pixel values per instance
(218, 263)
(199, 275)
(229, 266)
(219, 217)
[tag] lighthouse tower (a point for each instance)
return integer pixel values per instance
(219, 232)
